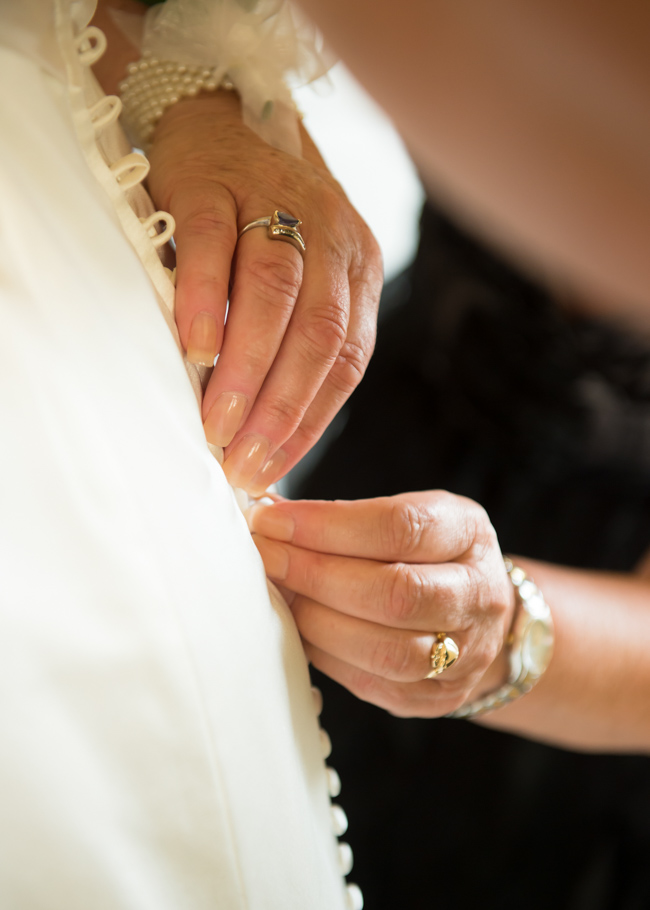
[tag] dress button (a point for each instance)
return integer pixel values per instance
(354, 898)
(339, 820)
(346, 860)
(333, 782)
(325, 744)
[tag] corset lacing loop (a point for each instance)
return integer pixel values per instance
(131, 170)
(150, 224)
(90, 44)
(105, 112)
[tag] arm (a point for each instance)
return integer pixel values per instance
(299, 333)
(530, 118)
(596, 692)
(375, 580)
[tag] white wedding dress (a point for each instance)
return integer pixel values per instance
(159, 743)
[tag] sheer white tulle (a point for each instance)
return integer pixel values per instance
(264, 47)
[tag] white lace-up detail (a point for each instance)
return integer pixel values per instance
(118, 178)
(131, 170)
(150, 224)
(91, 45)
(105, 113)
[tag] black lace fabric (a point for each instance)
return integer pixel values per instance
(482, 385)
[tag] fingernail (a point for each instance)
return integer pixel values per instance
(203, 340)
(274, 557)
(224, 418)
(271, 522)
(245, 460)
(269, 474)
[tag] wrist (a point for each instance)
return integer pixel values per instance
(222, 106)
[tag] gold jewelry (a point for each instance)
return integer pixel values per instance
(280, 226)
(444, 653)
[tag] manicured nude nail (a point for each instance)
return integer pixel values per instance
(203, 340)
(245, 460)
(271, 471)
(274, 557)
(225, 418)
(272, 522)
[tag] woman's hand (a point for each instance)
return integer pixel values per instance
(376, 580)
(300, 331)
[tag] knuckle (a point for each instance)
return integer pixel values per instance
(404, 593)
(452, 600)
(323, 331)
(283, 412)
(276, 279)
(484, 536)
(205, 222)
(370, 268)
(349, 367)
(469, 591)
(461, 517)
(367, 270)
(402, 528)
(306, 435)
(490, 591)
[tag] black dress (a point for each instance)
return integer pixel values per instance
(482, 386)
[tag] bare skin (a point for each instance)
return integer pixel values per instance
(372, 582)
(300, 332)
(530, 119)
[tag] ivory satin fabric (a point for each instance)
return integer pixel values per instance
(159, 747)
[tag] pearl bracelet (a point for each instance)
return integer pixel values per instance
(153, 85)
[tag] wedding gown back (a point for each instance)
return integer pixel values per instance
(159, 742)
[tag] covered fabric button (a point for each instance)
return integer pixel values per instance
(325, 744)
(346, 859)
(339, 820)
(354, 897)
(333, 782)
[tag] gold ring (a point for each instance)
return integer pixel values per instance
(280, 226)
(444, 653)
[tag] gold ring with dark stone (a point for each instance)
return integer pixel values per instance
(280, 226)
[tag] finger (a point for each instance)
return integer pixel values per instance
(342, 379)
(266, 282)
(394, 654)
(429, 698)
(428, 527)
(314, 336)
(205, 238)
(399, 595)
